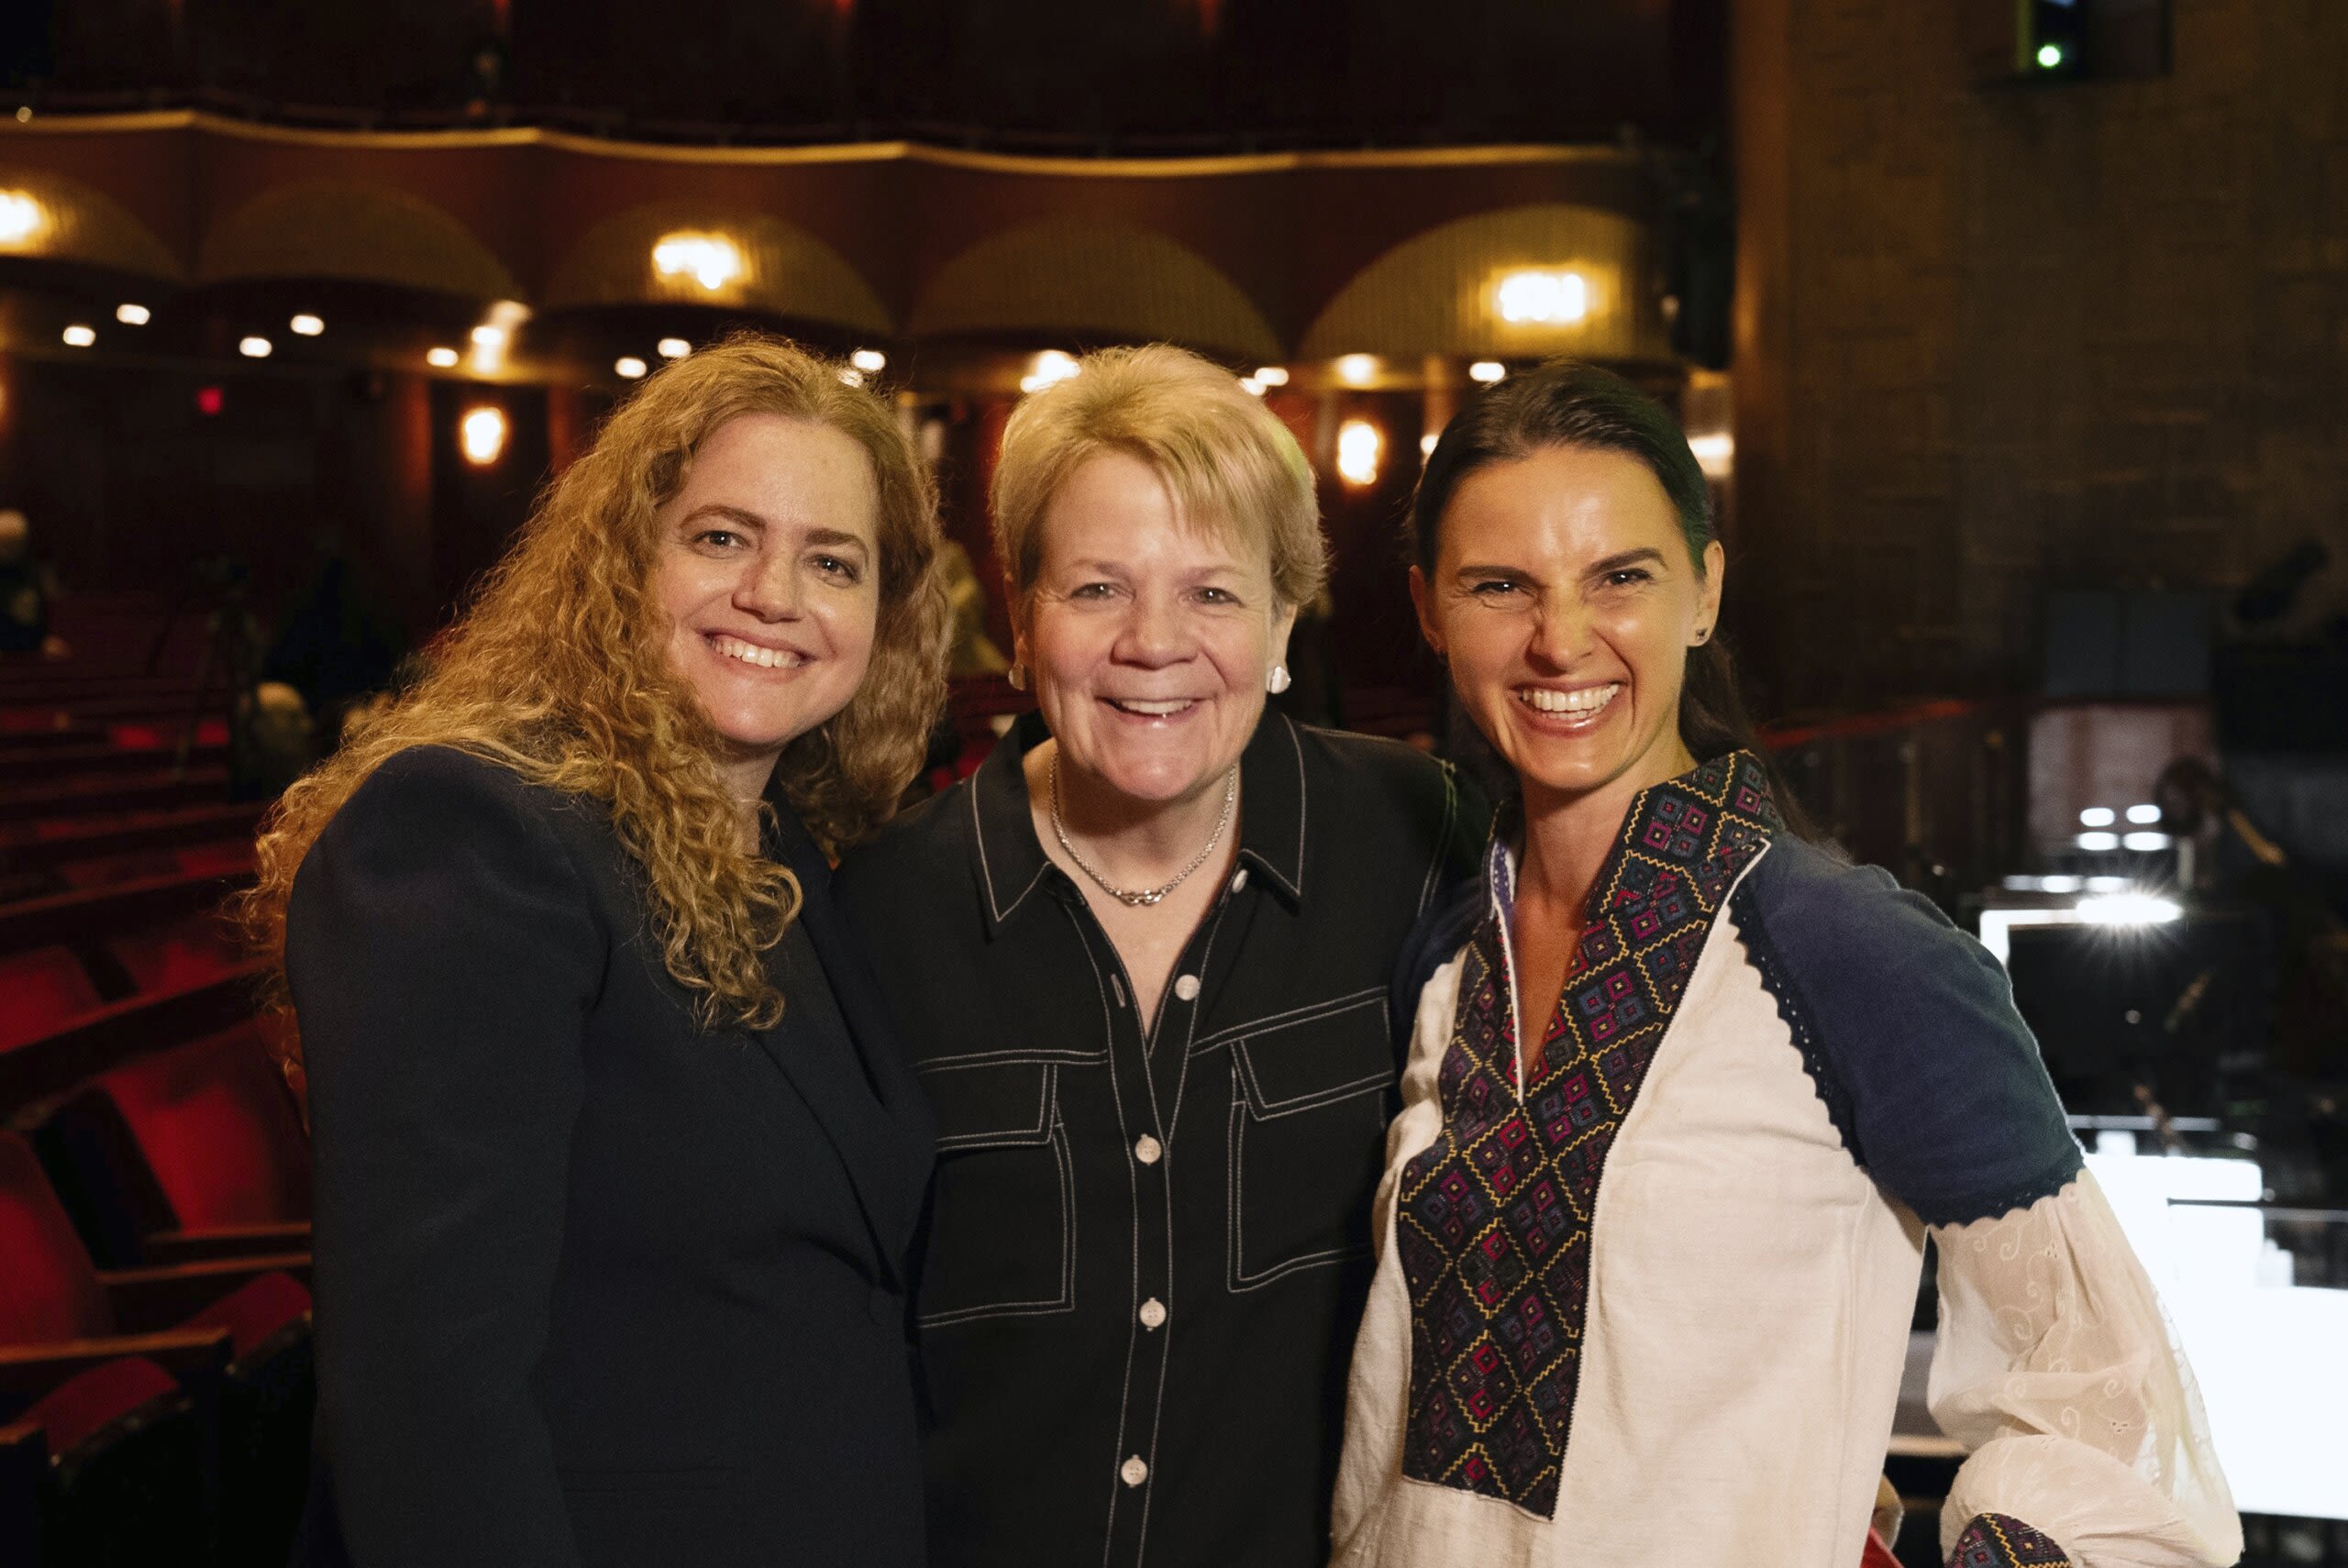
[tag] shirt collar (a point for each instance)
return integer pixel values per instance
(1658, 826)
(1011, 859)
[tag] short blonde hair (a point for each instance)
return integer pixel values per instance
(1230, 465)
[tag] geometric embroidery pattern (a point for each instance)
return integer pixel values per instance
(1993, 1540)
(1493, 1218)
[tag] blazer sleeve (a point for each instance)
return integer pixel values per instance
(443, 952)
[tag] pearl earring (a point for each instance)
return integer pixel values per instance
(1016, 677)
(1277, 681)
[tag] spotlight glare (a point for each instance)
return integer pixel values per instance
(629, 368)
(673, 347)
(1358, 443)
(710, 259)
(482, 435)
(131, 314)
(440, 359)
(871, 361)
(1552, 298)
(79, 336)
(306, 325)
(2128, 908)
(1357, 370)
(256, 347)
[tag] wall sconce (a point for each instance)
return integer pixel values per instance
(1358, 445)
(710, 259)
(1543, 297)
(483, 435)
(22, 219)
(1357, 370)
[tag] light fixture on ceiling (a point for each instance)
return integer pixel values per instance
(871, 361)
(79, 337)
(710, 259)
(306, 325)
(492, 339)
(1484, 373)
(673, 347)
(256, 347)
(1549, 297)
(627, 366)
(440, 359)
(1272, 375)
(1357, 370)
(1358, 447)
(481, 432)
(22, 217)
(132, 314)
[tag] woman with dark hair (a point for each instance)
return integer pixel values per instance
(1646, 1262)
(617, 1162)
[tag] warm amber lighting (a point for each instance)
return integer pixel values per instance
(1047, 368)
(1252, 385)
(495, 336)
(306, 325)
(1549, 298)
(1358, 447)
(483, 435)
(79, 337)
(1272, 375)
(871, 361)
(256, 347)
(1357, 370)
(440, 359)
(22, 218)
(1484, 373)
(673, 347)
(710, 259)
(627, 366)
(131, 314)
(1715, 453)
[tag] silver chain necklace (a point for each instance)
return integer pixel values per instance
(1144, 897)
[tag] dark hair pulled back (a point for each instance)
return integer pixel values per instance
(1565, 403)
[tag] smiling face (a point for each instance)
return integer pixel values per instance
(1564, 598)
(768, 569)
(1150, 640)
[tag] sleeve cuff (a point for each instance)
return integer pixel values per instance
(1996, 1541)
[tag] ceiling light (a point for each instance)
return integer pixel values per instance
(255, 347)
(21, 217)
(673, 347)
(79, 336)
(495, 336)
(2097, 816)
(1357, 370)
(131, 314)
(871, 361)
(2145, 841)
(1272, 375)
(1551, 298)
(2097, 842)
(1484, 373)
(1358, 445)
(710, 259)
(629, 368)
(306, 325)
(440, 359)
(2128, 908)
(482, 435)
(2143, 815)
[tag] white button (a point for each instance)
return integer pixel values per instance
(1134, 1471)
(1146, 1148)
(1186, 987)
(1153, 1313)
(1239, 880)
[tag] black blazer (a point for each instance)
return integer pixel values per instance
(593, 1287)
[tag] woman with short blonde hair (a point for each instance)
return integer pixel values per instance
(1140, 958)
(617, 1161)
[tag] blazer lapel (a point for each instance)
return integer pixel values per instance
(881, 1131)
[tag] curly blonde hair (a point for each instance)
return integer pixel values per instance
(557, 669)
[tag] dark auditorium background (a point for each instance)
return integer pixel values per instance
(2012, 334)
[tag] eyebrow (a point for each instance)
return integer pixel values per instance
(743, 517)
(1645, 555)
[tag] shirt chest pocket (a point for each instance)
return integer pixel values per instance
(1310, 1100)
(1002, 1208)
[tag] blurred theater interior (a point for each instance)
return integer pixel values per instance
(2012, 334)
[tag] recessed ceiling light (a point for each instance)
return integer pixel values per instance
(131, 314)
(440, 359)
(306, 325)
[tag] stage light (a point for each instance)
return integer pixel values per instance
(1358, 445)
(1272, 375)
(1357, 370)
(131, 314)
(710, 259)
(306, 325)
(1546, 298)
(1484, 373)
(1047, 368)
(482, 435)
(2097, 816)
(871, 361)
(2146, 841)
(673, 347)
(440, 359)
(79, 336)
(2128, 908)
(629, 368)
(2097, 842)
(256, 347)
(21, 218)
(2143, 815)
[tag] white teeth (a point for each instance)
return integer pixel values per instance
(750, 653)
(1588, 699)
(1151, 709)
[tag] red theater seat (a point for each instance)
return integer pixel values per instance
(188, 952)
(39, 990)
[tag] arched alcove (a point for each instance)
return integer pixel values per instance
(326, 228)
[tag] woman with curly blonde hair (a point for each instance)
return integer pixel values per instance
(617, 1164)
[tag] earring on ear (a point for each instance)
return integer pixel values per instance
(1276, 680)
(1016, 677)
(1704, 636)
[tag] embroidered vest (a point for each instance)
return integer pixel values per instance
(1493, 1220)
